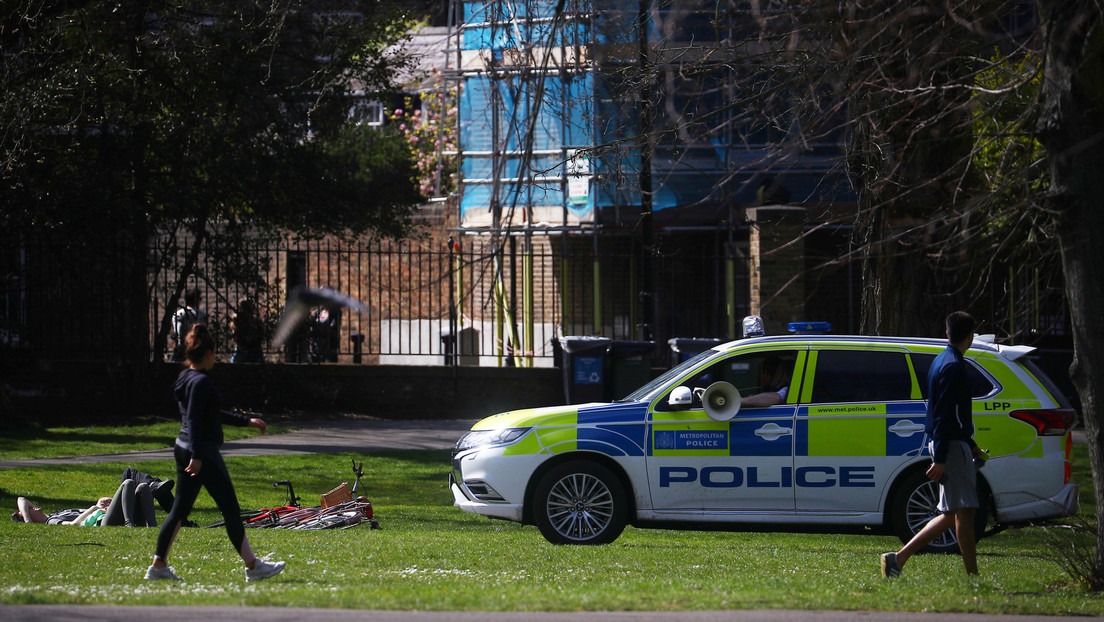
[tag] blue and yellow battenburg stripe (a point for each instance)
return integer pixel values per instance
(861, 429)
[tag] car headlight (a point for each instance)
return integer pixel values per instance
(490, 438)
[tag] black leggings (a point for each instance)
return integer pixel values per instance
(216, 479)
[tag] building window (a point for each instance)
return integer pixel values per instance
(366, 111)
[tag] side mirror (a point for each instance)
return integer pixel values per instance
(681, 398)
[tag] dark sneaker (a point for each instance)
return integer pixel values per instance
(154, 573)
(890, 568)
(263, 570)
(162, 492)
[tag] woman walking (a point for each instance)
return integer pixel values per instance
(199, 462)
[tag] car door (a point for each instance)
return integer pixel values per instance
(860, 420)
(745, 463)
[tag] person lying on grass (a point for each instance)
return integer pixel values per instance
(132, 506)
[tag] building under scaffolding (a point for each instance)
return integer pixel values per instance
(595, 127)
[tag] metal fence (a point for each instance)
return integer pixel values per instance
(413, 290)
(471, 301)
(475, 301)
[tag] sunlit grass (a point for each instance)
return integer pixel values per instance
(432, 556)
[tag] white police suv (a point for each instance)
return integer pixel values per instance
(846, 446)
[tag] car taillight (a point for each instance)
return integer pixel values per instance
(1069, 456)
(1047, 422)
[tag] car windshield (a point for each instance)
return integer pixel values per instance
(649, 391)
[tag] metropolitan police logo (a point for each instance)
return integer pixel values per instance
(690, 440)
(664, 440)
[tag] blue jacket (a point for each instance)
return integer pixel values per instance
(950, 409)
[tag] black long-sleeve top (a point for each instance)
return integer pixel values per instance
(201, 415)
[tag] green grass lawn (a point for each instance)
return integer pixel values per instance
(432, 556)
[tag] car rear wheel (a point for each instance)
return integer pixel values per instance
(916, 503)
(580, 503)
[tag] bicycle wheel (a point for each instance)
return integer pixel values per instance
(292, 519)
(246, 516)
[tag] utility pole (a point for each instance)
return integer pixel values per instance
(647, 291)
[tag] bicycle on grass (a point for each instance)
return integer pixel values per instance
(269, 517)
(341, 508)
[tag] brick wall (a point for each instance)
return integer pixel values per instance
(776, 265)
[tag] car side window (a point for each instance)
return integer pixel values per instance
(980, 384)
(861, 376)
(748, 373)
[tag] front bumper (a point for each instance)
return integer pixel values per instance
(490, 483)
(463, 499)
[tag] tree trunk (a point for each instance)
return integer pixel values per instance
(907, 158)
(897, 286)
(1071, 126)
(894, 276)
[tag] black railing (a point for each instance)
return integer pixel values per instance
(428, 302)
(475, 300)
(480, 300)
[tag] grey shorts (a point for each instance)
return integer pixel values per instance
(958, 488)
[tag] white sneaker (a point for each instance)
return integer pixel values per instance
(263, 570)
(154, 572)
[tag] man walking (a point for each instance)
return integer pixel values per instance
(955, 455)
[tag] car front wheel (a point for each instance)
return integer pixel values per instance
(580, 503)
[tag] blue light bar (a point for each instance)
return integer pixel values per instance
(809, 328)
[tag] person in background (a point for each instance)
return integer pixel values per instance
(132, 506)
(199, 462)
(187, 314)
(245, 326)
(325, 333)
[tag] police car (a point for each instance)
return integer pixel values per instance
(845, 446)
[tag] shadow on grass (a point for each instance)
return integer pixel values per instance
(37, 442)
(48, 504)
(51, 436)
